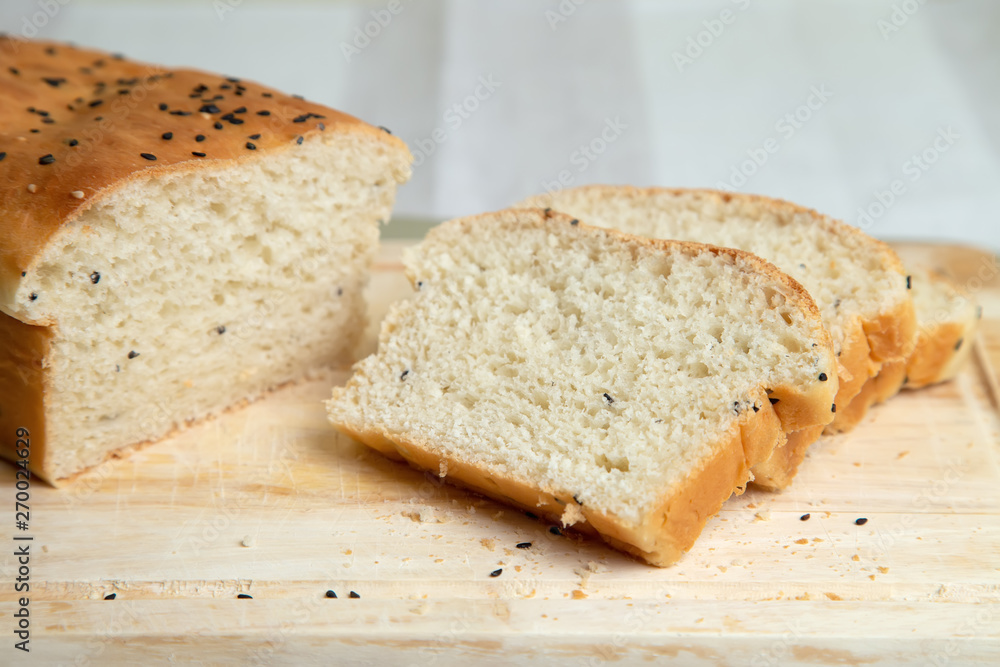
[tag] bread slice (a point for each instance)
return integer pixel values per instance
(857, 282)
(617, 384)
(172, 242)
(947, 320)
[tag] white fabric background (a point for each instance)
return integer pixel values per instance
(561, 83)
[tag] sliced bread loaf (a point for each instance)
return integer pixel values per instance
(615, 383)
(857, 282)
(172, 242)
(947, 320)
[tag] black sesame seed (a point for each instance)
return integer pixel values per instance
(148, 156)
(34, 131)
(167, 135)
(53, 81)
(163, 106)
(73, 142)
(908, 282)
(321, 127)
(15, 71)
(110, 596)
(117, 56)
(48, 121)
(547, 212)
(199, 137)
(301, 119)
(46, 159)
(251, 146)
(959, 343)
(266, 95)
(331, 594)
(3, 154)
(804, 517)
(197, 154)
(607, 397)
(209, 108)
(240, 110)
(50, 51)
(402, 376)
(24, 273)
(254, 136)
(221, 329)
(524, 545)
(555, 530)
(755, 408)
(133, 354)
(497, 572)
(95, 277)
(822, 377)
(232, 79)
(860, 522)
(773, 400)
(531, 515)
(340, 291)
(178, 112)
(354, 595)
(95, 103)
(33, 297)
(574, 222)
(226, 86)
(299, 140)
(833, 408)
(297, 97)
(244, 596)
(264, 113)
(385, 129)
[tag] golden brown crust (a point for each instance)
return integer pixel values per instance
(945, 340)
(777, 472)
(111, 108)
(669, 528)
(22, 388)
(664, 534)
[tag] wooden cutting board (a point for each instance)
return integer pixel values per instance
(269, 501)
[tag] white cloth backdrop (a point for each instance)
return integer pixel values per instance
(882, 113)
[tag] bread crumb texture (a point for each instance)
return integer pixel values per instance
(600, 368)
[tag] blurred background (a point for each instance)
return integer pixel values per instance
(885, 114)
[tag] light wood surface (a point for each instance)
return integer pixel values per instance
(269, 501)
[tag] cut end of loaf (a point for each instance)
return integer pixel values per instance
(178, 296)
(558, 364)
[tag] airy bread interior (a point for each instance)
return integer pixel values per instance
(179, 295)
(599, 368)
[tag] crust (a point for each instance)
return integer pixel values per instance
(22, 389)
(935, 358)
(671, 526)
(777, 472)
(885, 338)
(663, 535)
(107, 154)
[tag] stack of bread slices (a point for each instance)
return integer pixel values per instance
(623, 360)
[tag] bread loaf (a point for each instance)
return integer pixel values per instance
(614, 384)
(857, 282)
(172, 242)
